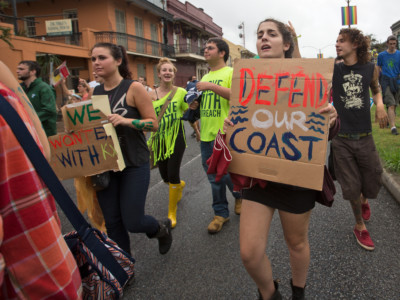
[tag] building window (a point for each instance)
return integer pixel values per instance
(176, 42)
(155, 75)
(73, 39)
(154, 37)
(120, 21)
(189, 45)
(30, 26)
(199, 45)
(139, 34)
(141, 70)
(120, 24)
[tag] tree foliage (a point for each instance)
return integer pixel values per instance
(375, 44)
(5, 32)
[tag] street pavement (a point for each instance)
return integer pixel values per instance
(204, 266)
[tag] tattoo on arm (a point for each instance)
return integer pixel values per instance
(375, 82)
(140, 125)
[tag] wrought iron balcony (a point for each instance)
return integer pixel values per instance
(135, 44)
(183, 48)
(70, 39)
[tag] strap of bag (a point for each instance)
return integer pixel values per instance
(166, 103)
(47, 174)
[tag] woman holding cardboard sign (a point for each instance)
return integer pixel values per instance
(169, 142)
(294, 204)
(123, 201)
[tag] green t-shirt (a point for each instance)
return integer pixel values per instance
(163, 141)
(213, 108)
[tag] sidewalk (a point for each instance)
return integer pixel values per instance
(392, 184)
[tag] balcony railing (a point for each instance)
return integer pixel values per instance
(183, 48)
(70, 39)
(135, 44)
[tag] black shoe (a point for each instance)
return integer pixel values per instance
(164, 236)
(394, 131)
(297, 292)
(276, 296)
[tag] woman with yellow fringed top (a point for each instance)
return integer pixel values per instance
(169, 142)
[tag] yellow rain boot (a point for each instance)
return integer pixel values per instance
(174, 191)
(181, 186)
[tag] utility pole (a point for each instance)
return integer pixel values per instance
(14, 5)
(242, 34)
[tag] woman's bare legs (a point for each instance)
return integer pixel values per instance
(295, 230)
(255, 220)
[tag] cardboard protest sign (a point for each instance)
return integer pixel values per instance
(86, 152)
(91, 147)
(82, 114)
(278, 134)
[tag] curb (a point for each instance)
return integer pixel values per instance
(392, 186)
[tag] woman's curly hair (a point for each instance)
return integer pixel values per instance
(363, 43)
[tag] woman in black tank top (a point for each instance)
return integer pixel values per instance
(123, 201)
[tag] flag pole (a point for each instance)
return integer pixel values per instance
(348, 9)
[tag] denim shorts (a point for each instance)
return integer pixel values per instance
(357, 167)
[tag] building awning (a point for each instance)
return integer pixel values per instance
(154, 9)
(147, 55)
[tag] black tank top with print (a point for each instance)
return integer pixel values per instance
(133, 142)
(351, 96)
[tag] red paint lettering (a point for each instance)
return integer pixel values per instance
(262, 89)
(56, 142)
(309, 88)
(65, 142)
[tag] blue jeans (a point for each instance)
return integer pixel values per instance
(123, 202)
(218, 189)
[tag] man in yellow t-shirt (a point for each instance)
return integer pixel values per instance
(214, 108)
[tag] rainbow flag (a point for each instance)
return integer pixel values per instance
(349, 15)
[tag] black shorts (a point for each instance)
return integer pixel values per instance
(357, 167)
(284, 197)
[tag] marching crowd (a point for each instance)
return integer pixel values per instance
(137, 109)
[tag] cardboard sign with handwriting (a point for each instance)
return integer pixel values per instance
(82, 114)
(86, 152)
(279, 135)
(91, 146)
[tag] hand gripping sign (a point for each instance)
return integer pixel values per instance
(279, 135)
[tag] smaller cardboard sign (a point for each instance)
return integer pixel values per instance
(279, 134)
(83, 114)
(86, 152)
(60, 73)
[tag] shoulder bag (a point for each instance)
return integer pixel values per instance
(104, 267)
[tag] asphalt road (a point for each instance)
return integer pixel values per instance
(204, 266)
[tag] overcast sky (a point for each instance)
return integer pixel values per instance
(317, 21)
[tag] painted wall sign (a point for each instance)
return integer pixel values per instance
(59, 27)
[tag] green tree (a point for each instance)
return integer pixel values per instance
(375, 44)
(45, 62)
(5, 32)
